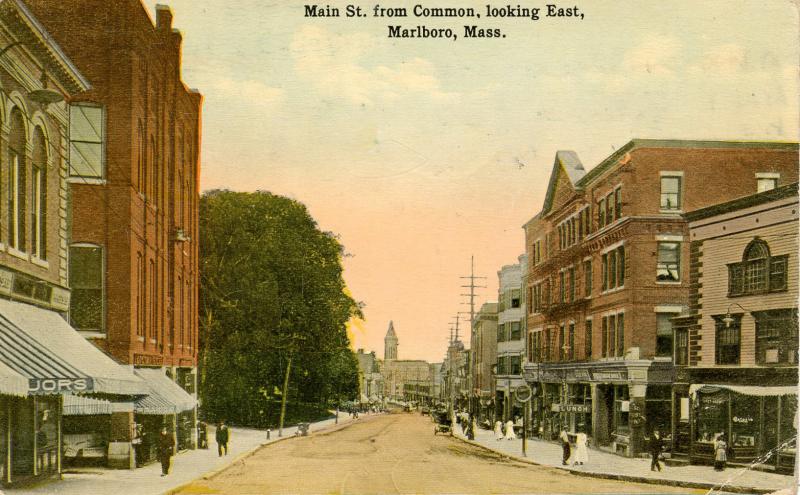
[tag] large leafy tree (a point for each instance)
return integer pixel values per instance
(273, 310)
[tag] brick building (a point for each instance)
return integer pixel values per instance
(740, 331)
(134, 170)
(608, 259)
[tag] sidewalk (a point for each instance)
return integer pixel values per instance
(186, 466)
(606, 465)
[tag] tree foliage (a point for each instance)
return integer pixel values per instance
(271, 288)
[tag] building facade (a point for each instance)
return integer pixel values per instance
(484, 358)
(133, 174)
(511, 337)
(736, 349)
(608, 259)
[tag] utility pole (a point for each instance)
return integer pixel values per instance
(471, 280)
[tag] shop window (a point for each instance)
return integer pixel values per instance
(87, 133)
(712, 415)
(668, 266)
(728, 340)
(621, 409)
(663, 335)
(516, 331)
(776, 337)
(671, 192)
(86, 281)
(758, 272)
(658, 405)
(681, 347)
(745, 420)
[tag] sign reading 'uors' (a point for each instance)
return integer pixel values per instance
(59, 385)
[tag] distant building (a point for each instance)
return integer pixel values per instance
(390, 343)
(370, 379)
(736, 350)
(397, 374)
(608, 268)
(510, 339)
(484, 358)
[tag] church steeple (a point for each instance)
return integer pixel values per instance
(390, 343)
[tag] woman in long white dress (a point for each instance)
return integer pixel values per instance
(510, 430)
(581, 449)
(498, 430)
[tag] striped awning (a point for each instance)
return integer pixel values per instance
(77, 405)
(38, 345)
(164, 396)
(11, 382)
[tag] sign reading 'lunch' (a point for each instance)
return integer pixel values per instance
(59, 385)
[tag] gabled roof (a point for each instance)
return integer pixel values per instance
(569, 162)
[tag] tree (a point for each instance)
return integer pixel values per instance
(271, 293)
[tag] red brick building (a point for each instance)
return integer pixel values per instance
(608, 269)
(134, 170)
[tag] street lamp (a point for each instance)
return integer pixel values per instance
(728, 318)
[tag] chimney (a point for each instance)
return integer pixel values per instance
(163, 17)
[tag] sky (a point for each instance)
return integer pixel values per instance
(421, 153)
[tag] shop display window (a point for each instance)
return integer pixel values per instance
(788, 427)
(712, 415)
(47, 435)
(744, 420)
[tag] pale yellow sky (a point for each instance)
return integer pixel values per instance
(411, 149)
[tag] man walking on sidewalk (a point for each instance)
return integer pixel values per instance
(222, 436)
(656, 446)
(166, 444)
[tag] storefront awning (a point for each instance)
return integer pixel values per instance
(743, 389)
(41, 347)
(164, 395)
(77, 405)
(11, 382)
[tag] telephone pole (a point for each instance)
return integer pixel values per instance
(471, 284)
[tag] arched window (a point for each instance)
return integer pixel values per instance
(39, 196)
(758, 272)
(16, 181)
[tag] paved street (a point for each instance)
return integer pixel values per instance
(395, 453)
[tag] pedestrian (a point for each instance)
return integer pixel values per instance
(656, 446)
(581, 449)
(222, 435)
(510, 430)
(498, 430)
(565, 447)
(720, 453)
(166, 444)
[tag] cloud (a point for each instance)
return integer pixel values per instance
(254, 92)
(334, 65)
(658, 55)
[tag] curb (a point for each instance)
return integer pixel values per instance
(244, 455)
(624, 477)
